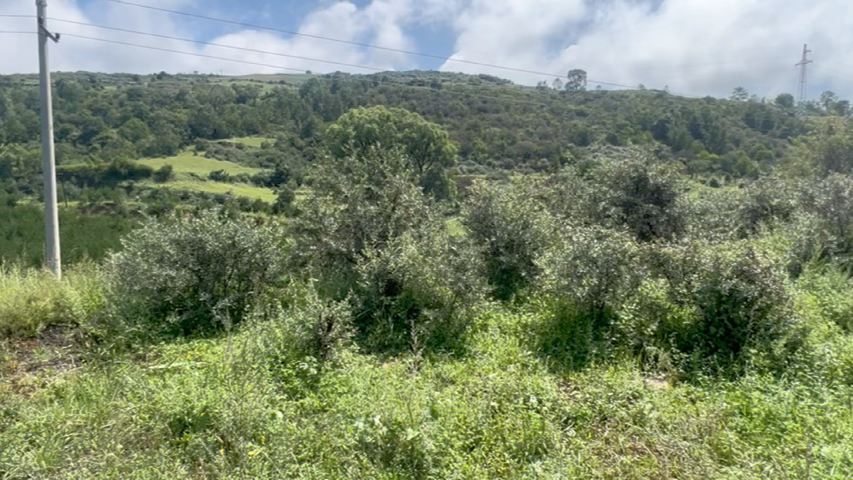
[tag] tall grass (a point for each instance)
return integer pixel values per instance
(33, 299)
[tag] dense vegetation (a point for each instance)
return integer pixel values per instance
(644, 300)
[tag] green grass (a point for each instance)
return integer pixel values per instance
(226, 408)
(187, 162)
(192, 172)
(33, 299)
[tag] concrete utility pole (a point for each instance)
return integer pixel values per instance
(51, 213)
(804, 63)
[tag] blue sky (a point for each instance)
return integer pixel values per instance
(697, 47)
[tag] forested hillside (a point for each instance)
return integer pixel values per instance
(496, 124)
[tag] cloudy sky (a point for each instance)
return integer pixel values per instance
(696, 47)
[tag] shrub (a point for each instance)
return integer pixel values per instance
(417, 291)
(185, 275)
(765, 202)
(642, 197)
(164, 174)
(586, 276)
(369, 230)
(309, 327)
(510, 229)
(740, 307)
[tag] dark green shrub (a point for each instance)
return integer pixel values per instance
(510, 228)
(164, 174)
(765, 202)
(624, 189)
(198, 274)
(740, 307)
(642, 197)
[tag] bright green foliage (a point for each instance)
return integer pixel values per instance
(510, 227)
(195, 274)
(426, 145)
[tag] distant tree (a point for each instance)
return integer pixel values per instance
(576, 80)
(426, 145)
(785, 100)
(739, 94)
(828, 99)
(557, 84)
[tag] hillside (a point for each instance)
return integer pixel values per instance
(497, 124)
(469, 279)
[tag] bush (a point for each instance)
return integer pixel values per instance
(741, 308)
(308, 328)
(417, 292)
(765, 202)
(370, 231)
(164, 174)
(643, 197)
(201, 274)
(510, 229)
(586, 276)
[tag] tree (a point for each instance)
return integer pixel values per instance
(426, 145)
(828, 99)
(739, 94)
(785, 100)
(576, 80)
(557, 84)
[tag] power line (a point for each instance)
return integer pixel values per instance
(359, 44)
(169, 50)
(220, 45)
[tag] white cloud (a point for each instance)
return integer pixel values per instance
(693, 46)
(380, 22)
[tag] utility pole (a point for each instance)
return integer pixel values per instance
(804, 63)
(51, 213)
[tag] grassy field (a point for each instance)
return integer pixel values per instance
(188, 162)
(191, 172)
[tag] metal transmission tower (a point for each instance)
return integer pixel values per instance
(804, 64)
(51, 215)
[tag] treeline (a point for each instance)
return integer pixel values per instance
(496, 124)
